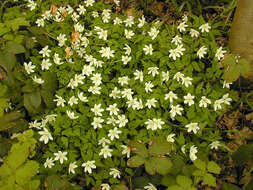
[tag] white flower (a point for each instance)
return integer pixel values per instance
(106, 152)
(215, 145)
(29, 67)
(204, 101)
(183, 149)
(40, 22)
(138, 75)
(95, 14)
(87, 70)
(115, 173)
(117, 20)
(193, 151)
(75, 17)
(185, 18)
(126, 150)
(31, 4)
(138, 104)
(47, 15)
(38, 80)
(129, 21)
(114, 93)
(194, 33)
(106, 52)
(72, 83)
(82, 98)
(104, 141)
(35, 124)
(131, 102)
(122, 121)
(226, 99)
(51, 117)
(113, 109)
(72, 167)
(88, 166)
(141, 21)
(45, 64)
(177, 40)
(125, 59)
(81, 9)
(178, 76)
(45, 51)
(78, 27)
(201, 52)
(127, 92)
(175, 110)
(129, 34)
(192, 127)
(148, 49)
(73, 100)
(123, 80)
(226, 84)
(97, 109)
(153, 71)
(105, 186)
(153, 33)
(220, 53)
(148, 86)
(150, 186)
(187, 81)
(151, 102)
(181, 27)
(96, 79)
(102, 34)
(117, 2)
(57, 59)
(165, 76)
(174, 53)
(49, 163)
(205, 27)
(188, 99)
(89, 3)
(127, 49)
(154, 124)
(61, 156)
(45, 136)
(114, 133)
(171, 95)
(71, 115)
(170, 138)
(97, 122)
(111, 121)
(217, 104)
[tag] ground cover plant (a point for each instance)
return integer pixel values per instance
(123, 95)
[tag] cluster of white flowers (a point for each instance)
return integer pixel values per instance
(80, 44)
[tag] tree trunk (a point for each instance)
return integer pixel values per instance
(241, 36)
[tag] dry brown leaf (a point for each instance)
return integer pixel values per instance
(53, 9)
(69, 52)
(75, 36)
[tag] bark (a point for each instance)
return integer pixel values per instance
(241, 36)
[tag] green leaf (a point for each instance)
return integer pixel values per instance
(32, 100)
(159, 165)
(209, 179)
(139, 148)
(48, 98)
(120, 187)
(4, 103)
(175, 187)
(140, 182)
(159, 146)
(55, 182)
(229, 186)
(135, 161)
(213, 167)
(26, 172)
(9, 120)
(3, 29)
(15, 23)
(15, 48)
(168, 180)
(200, 164)
(184, 181)
(7, 61)
(50, 82)
(243, 154)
